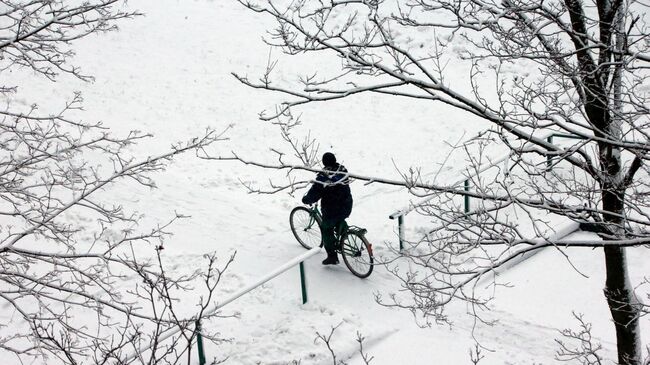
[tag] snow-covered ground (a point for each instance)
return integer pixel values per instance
(169, 74)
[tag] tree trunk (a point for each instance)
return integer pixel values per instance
(618, 290)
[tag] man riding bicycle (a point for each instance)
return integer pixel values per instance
(332, 189)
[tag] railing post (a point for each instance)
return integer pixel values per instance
(303, 283)
(400, 231)
(199, 342)
(466, 186)
(549, 139)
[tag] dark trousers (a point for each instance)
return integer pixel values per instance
(330, 230)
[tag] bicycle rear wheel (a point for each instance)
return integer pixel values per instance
(305, 227)
(357, 254)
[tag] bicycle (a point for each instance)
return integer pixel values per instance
(351, 240)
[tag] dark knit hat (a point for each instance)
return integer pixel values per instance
(329, 159)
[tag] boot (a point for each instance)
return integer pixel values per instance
(332, 259)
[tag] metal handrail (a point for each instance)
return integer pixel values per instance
(559, 233)
(411, 207)
(399, 214)
(279, 270)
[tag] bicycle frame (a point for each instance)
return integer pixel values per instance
(349, 240)
(315, 215)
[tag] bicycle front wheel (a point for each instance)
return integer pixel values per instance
(305, 227)
(357, 254)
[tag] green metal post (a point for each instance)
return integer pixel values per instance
(303, 283)
(199, 342)
(400, 231)
(549, 139)
(466, 196)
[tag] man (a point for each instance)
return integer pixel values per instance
(332, 189)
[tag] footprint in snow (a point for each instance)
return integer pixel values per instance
(326, 310)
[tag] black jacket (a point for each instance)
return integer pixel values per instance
(334, 193)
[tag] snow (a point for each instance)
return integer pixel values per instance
(169, 74)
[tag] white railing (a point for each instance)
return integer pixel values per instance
(400, 214)
(264, 279)
(528, 252)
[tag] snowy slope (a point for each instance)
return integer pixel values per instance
(169, 74)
